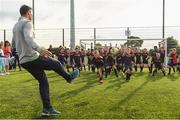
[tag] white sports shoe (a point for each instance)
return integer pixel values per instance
(2, 74)
(7, 73)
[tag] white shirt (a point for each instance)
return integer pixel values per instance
(1, 52)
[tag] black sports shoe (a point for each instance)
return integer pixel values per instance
(50, 112)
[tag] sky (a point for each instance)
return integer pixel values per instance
(93, 13)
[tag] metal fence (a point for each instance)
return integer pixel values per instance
(57, 37)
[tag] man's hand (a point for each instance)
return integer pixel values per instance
(46, 53)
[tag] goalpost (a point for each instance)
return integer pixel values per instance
(161, 43)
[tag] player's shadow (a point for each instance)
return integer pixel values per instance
(172, 77)
(85, 77)
(17, 72)
(44, 117)
(116, 83)
(49, 76)
(52, 75)
(81, 104)
(139, 74)
(126, 99)
(156, 77)
(89, 83)
(28, 80)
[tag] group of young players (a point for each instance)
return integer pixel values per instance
(107, 60)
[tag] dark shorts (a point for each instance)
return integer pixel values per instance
(119, 64)
(128, 66)
(145, 62)
(138, 62)
(82, 58)
(77, 64)
(89, 61)
(99, 64)
(158, 65)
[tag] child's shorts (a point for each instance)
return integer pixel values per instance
(2, 65)
(6, 61)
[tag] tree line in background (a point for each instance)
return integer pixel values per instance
(171, 43)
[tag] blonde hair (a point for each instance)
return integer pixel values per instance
(174, 49)
(96, 52)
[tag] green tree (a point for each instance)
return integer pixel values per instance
(98, 45)
(171, 43)
(178, 49)
(83, 46)
(77, 46)
(134, 43)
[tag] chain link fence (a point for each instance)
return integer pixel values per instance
(57, 37)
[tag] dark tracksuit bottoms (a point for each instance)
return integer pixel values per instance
(37, 67)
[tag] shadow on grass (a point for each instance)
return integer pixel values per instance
(120, 81)
(52, 75)
(49, 75)
(17, 72)
(45, 117)
(81, 104)
(126, 99)
(139, 74)
(172, 77)
(119, 78)
(90, 82)
(28, 80)
(117, 83)
(158, 76)
(86, 76)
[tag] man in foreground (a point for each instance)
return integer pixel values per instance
(36, 59)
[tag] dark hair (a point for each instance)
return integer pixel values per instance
(24, 9)
(155, 47)
(6, 42)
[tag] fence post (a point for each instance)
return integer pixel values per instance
(94, 38)
(166, 52)
(80, 44)
(63, 36)
(4, 35)
(91, 46)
